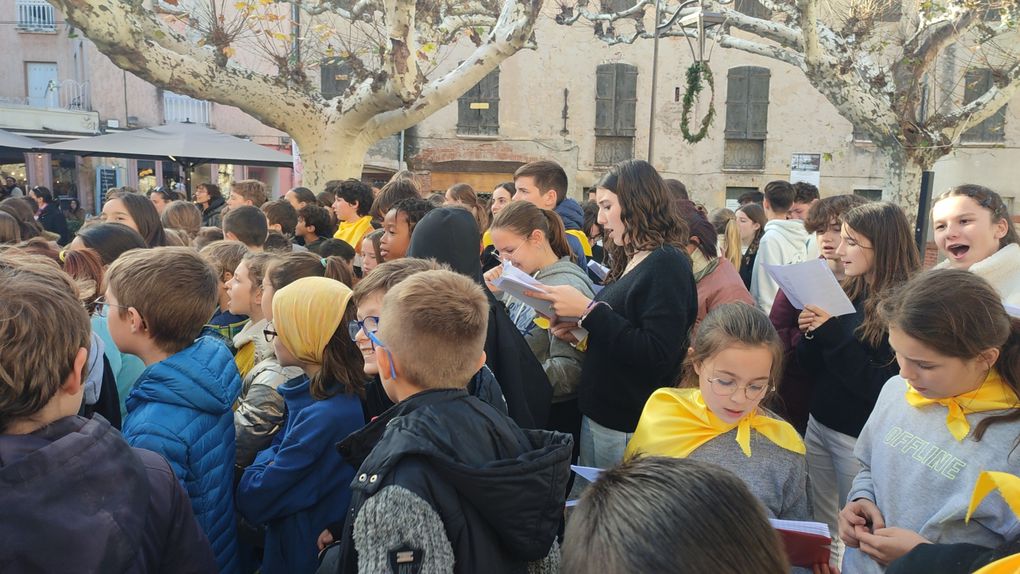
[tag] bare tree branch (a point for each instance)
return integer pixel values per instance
(759, 49)
(954, 124)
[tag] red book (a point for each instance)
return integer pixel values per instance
(806, 543)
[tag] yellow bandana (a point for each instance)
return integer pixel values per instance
(1008, 486)
(307, 313)
(675, 422)
(992, 395)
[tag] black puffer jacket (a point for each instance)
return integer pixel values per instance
(450, 484)
(212, 216)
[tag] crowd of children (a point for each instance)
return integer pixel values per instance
(360, 381)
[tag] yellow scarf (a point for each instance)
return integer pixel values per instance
(992, 395)
(245, 359)
(306, 313)
(1008, 486)
(675, 422)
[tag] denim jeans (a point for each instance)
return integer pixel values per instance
(831, 467)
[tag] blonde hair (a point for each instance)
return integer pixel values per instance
(42, 327)
(251, 190)
(734, 324)
(182, 215)
(725, 223)
(174, 290)
(435, 324)
(224, 256)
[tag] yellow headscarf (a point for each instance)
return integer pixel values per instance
(675, 422)
(307, 313)
(1008, 486)
(992, 395)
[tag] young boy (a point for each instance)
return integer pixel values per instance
(248, 225)
(544, 183)
(180, 407)
(251, 192)
(75, 496)
(352, 206)
(446, 483)
(281, 217)
(785, 241)
(224, 256)
(312, 226)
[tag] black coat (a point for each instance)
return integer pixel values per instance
(450, 236)
(499, 489)
(77, 498)
(53, 220)
(212, 216)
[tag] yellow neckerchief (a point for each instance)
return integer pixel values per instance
(1008, 486)
(992, 395)
(675, 422)
(486, 239)
(245, 358)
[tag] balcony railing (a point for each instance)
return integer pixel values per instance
(64, 94)
(36, 16)
(178, 109)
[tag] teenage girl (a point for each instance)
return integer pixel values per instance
(464, 195)
(534, 241)
(974, 231)
(751, 222)
(299, 485)
(138, 213)
(950, 414)
(638, 324)
(725, 223)
(371, 251)
(849, 357)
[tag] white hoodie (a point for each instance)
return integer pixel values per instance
(785, 241)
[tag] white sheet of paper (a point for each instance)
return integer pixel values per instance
(516, 282)
(812, 283)
(589, 473)
(600, 270)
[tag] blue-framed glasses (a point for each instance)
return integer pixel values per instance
(369, 325)
(375, 341)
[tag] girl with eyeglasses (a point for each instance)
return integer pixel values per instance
(717, 415)
(299, 486)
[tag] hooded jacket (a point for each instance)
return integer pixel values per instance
(212, 216)
(560, 360)
(451, 485)
(572, 215)
(785, 241)
(53, 220)
(181, 408)
(299, 485)
(450, 236)
(483, 385)
(77, 498)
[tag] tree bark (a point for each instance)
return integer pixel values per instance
(331, 154)
(904, 181)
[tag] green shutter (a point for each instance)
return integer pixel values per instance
(626, 100)
(758, 104)
(605, 91)
(737, 82)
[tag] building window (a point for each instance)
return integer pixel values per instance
(747, 114)
(335, 76)
(869, 194)
(178, 109)
(991, 130)
(36, 16)
(615, 105)
(733, 195)
(478, 108)
(752, 8)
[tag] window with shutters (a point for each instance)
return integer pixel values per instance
(478, 108)
(336, 76)
(615, 105)
(747, 114)
(992, 130)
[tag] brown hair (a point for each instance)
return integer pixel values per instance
(638, 517)
(182, 215)
(756, 213)
(547, 175)
(257, 265)
(646, 209)
(224, 256)
(85, 266)
(895, 260)
(523, 218)
(188, 288)
(251, 190)
(288, 268)
(780, 195)
(375, 238)
(465, 194)
(958, 314)
(10, 229)
(828, 209)
(725, 223)
(146, 218)
(206, 236)
(282, 213)
(42, 327)
(435, 323)
(388, 274)
(343, 365)
(212, 189)
(248, 224)
(734, 324)
(397, 189)
(23, 210)
(991, 201)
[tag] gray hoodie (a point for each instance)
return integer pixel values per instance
(561, 361)
(921, 478)
(785, 241)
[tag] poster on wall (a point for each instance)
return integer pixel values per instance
(806, 167)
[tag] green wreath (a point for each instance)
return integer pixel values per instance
(696, 73)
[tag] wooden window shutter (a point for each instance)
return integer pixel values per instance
(758, 104)
(335, 77)
(625, 100)
(605, 107)
(737, 82)
(478, 108)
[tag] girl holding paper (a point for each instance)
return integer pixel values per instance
(974, 231)
(534, 240)
(638, 324)
(849, 357)
(952, 413)
(717, 416)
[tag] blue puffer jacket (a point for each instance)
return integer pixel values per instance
(299, 485)
(181, 408)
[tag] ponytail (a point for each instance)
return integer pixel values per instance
(523, 218)
(557, 235)
(731, 243)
